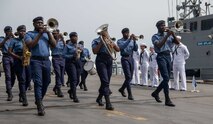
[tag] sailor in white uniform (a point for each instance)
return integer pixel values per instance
(180, 54)
(144, 64)
(153, 67)
(136, 72)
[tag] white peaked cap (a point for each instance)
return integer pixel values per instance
(151, 46)
(179, 37)
(143, 44)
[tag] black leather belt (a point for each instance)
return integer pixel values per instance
(41, 58)
(57, 56)
(6, 54)
(19, 53)
(125, 55)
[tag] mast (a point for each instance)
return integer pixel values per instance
(189, 7)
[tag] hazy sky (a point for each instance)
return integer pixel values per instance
(84, 16)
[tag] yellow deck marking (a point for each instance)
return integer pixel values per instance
(122, 114)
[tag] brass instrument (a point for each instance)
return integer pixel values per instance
(52, 24)
(65, 34)
(139, 37)
(178, 26)
(26, 55)
(62, 36)
(79, 51)
(104, 35)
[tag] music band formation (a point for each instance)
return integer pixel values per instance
(27, 57)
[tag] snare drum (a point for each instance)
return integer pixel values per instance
(89, 66)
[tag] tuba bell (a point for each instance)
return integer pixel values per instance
(52, 24)
(106, 39)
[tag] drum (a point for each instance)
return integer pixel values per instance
(89, 66)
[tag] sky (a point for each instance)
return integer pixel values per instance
(85, 16)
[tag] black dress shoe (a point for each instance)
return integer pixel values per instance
(20, 98)
(80, 85)
(169, 103)
(76, 100)
(172, 88)
(122, 92)
(99, 101)
(157, 98)
(40, 108)
(10, 96)
(70, 94)
(109, 107)
(55, 90)
(130, 98)
(59, 93)
(25, 102)
(30, 87)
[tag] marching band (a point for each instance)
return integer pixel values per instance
(27, 56)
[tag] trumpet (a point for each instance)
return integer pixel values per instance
(178, 26)
(65, 34)
(137, 37)
(52, 24)
(62, 35)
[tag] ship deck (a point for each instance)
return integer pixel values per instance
(191, 108)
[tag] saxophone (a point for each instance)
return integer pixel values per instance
(26, 55)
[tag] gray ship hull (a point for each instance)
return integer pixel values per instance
(200, 62)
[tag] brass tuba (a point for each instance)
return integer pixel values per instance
(106, 39)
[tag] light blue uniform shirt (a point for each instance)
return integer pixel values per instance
(85, 54)
(103, 49)
(70, 50)
(6, 44)
(166, 47)
(58, 50)
(41, 49)
(17, 45)
(127, 46)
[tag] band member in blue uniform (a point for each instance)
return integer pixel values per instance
(8, 62)
(127, 45)
(85, 56)
(68, 78)
(72, 53)
(16, 50)
(39, 42)
(104, 68)
(58, 62)
(163, 42)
